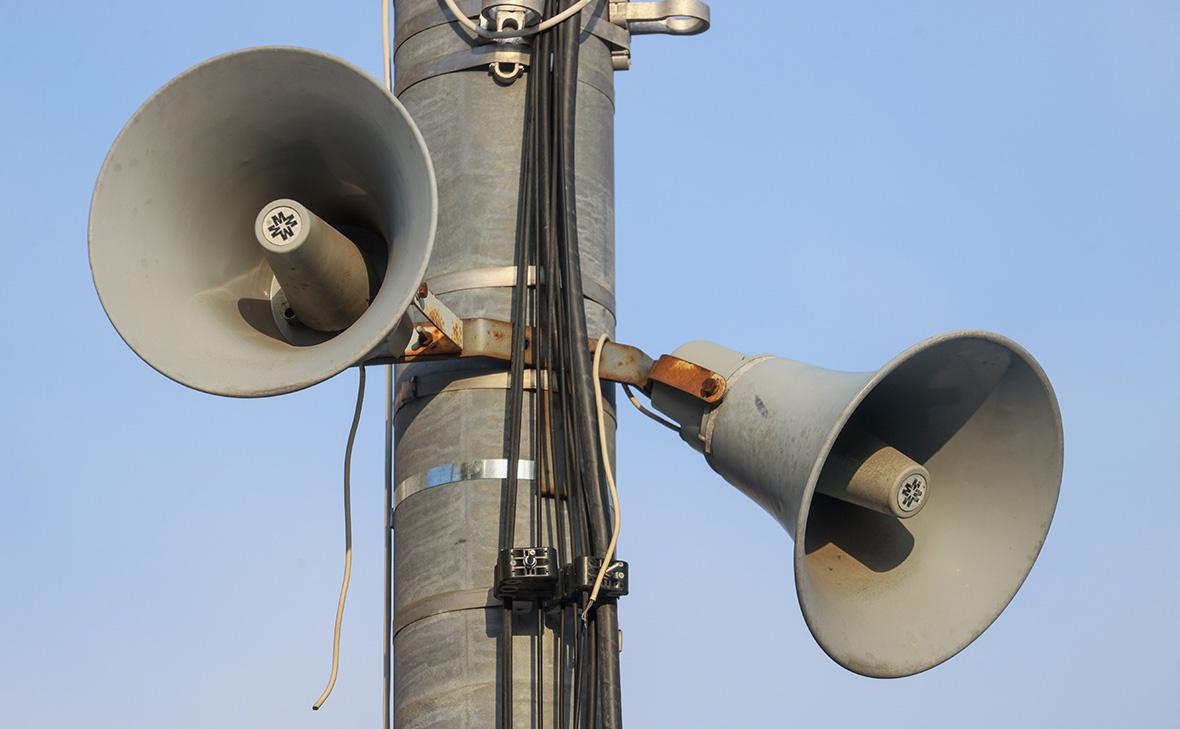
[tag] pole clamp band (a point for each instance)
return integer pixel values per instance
(444, 602)
(495, 277)
(479, 470)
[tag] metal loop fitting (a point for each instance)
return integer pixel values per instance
(670, 17)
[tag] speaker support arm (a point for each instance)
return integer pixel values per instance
(449, 337)
(446, 322)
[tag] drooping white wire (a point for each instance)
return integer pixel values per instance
(386, 52)
(610, 480)
(525, 32)
(635, 401)
(356, 419)
(387, 652)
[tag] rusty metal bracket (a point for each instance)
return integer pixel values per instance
(446, 322)
(701, 383)
(492, 338)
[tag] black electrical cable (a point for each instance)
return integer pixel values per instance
(539, 92)
(581, 673)
(516, 390)
(567, 487)
(605, 654)
(565, 451)
(566, 69)
(515, 411)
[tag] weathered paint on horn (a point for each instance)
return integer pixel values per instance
(886, 596)
(173, 248)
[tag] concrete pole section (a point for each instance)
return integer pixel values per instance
(454, 413)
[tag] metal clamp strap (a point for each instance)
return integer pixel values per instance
(485, 55)
(435, 15)
(415, 387)
(444, 602)
(458, 61)
(479, 470)
(494, 277)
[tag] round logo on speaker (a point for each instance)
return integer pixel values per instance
(912, 492)
(282, 224)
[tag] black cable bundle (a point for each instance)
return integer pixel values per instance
(568, 462)
(603, 624)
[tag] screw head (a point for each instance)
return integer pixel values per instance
(709, 387)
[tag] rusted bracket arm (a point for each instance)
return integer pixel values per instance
(492, 338)
(447, 323)
(701, 383)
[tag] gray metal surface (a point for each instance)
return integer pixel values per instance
(172, 245)
(874, 475)
(668, 17)
(884, 596)
(413, 388)
(322, 273)
(430, 15)
(505, 276)
(445, 674)
(483, 469)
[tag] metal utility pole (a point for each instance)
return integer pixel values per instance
(452, 418)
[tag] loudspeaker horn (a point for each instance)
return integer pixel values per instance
(188, 278)
(918, 496)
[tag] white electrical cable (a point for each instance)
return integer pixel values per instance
(525, 32)
(386, 656)
(610, 480)
(635, 401)
(356, 419)
(386, 53)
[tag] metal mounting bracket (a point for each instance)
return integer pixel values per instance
(669, 17)
(446, 322)
(449, 337)
(701, 383)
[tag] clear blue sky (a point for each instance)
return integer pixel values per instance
(826, 181)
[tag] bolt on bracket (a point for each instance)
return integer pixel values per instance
(701, 383)
(447, 323)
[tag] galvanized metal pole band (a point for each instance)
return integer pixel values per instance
(475, 598)
(416, 387)
(613, 35)
(477, 57)
(485, 469)
(481, 56)
(505, 277)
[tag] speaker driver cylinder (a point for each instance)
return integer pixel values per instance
(869, 473)
(321, 271)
